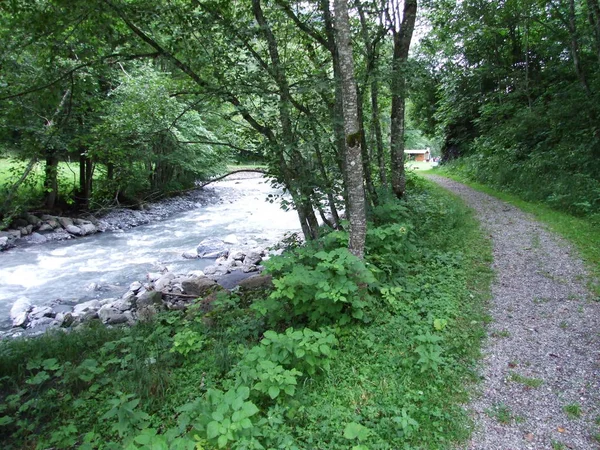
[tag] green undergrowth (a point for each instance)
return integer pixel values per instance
(339, 353)
(583, 232)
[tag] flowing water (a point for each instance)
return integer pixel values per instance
(66, 270)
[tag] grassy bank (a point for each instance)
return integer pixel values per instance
(584, 233)
(338, 353)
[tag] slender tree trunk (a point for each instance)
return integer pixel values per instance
(51, 178)
(328, 186)
(337, 113)
(371, 60)
(594, 10)
(354, 167)
(575, 48)
(366, 157)
(402, 38)
(376, 124)
(301, 198)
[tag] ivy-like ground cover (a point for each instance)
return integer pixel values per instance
(340, 353)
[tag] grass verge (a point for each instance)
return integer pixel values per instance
(339, 353)
(584, 234)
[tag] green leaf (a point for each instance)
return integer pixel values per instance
(222, 441)
(355, 430)
(249, 409)
(5, 420)
(274, 392)
(212, 429)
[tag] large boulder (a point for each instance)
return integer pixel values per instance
(198, 286)
(148, 304)
(135, 287)
(87, 228)
(164, 281)
(20, 223)
(34, 220)
(236, 255)
(72, 229)
(212, 248)
(111, 316)
(191, 254)
(127, 302)
(256, 282)
(41, 311)
(4, 242)
(65, 222)
(253, 257)
(83, 309)
(16, 234)
(45, 227)
(149, 298)
(37, 238)
(231, 239)
(19, 313)
(54, 223)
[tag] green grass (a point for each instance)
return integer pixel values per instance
(583, 233)
(529, 382)
(573, 411)
(502, 414)
(398, 378)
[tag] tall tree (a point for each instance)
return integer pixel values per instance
(403, 25)
(353, 156)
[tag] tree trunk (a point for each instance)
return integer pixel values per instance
(402, 38)
(354, 168)
(86, 172)
(51, 178)
(294, 183)
(371, 60)
(575, 48)
(594, 14)
(366, 157)
(337, 112)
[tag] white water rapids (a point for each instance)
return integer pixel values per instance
(65, 270)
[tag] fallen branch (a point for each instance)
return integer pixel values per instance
(231, 173)
(173, 294)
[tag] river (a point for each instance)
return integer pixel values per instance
(104, 264)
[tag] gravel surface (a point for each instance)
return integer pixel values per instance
(541, 359)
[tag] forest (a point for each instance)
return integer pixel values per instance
(369, 333)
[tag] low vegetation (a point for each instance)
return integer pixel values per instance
(583, 232)
(340, 353)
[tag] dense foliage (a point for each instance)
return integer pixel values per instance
(515, 87)
(383, 365)
(146, 96)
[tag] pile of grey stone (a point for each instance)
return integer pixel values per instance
(163, 290)
(38, 230)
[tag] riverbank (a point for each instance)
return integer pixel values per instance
(32, 228)
(101, 266)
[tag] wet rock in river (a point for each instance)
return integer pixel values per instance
(41, 311)
(212, 248)
(37, 238)
(19, 313)
(192, 254)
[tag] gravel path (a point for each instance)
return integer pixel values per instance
(540, 371)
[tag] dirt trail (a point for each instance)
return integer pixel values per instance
(540, 372)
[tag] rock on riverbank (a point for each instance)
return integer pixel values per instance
(38, 229)
(160, 291)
